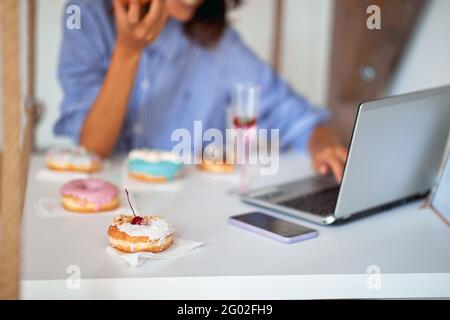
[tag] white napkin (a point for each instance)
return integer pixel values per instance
(52, 208)
(141, 186)
(48, 175)
(179, 248)
(59, 176)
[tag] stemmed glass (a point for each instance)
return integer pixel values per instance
(243, 120)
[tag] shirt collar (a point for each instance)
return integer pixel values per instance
(172, 41)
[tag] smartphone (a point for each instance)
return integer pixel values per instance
(274, 228)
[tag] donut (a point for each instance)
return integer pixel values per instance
(153, 166)
(140, 234)
(216, 163)
(74, 159)
(89, 196)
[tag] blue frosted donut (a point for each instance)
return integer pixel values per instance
(153, 165)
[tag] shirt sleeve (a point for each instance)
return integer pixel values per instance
(281, 108)
(80, 70)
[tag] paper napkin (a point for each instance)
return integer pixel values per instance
(59, 176)
(52, 208)
(180, 247)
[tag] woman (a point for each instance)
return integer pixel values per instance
(134, 72)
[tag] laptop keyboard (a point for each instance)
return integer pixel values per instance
(320, 203)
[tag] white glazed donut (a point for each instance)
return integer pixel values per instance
(74, 159)
(140, 234)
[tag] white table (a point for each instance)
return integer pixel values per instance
(409, 245)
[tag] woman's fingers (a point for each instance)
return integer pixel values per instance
(155, 13)
(336, 165)
(134, 11)
(155, 20)
(120, 11)
(136, 27)
(330, 159)
(342, 153)
(319, 165)
(152, 34)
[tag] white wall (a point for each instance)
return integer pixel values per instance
(254, 21)
(307, 46)
(48, 91)
(427, 60)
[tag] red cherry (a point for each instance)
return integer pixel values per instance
(242, 123)
(138, 221)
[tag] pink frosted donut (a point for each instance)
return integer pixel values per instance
(89, 196)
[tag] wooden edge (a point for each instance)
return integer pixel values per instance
(439, 214)
(1, 155)
(278, 34)
(28, 141)
(11, 165)
(30, 103)
(31, 44)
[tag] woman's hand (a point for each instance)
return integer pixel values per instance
(327, 153)
(136, 28)
(138, 25)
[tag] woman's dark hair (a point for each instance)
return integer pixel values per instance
(210, 21)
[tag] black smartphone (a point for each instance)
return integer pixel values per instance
(272, 227)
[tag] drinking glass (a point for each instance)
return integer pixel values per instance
(243, 120)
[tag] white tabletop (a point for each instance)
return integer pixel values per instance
(409, 246)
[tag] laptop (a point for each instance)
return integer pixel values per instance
(394, 157)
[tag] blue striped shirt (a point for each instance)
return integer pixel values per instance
(177, 82)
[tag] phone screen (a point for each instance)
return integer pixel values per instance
(280, 227)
